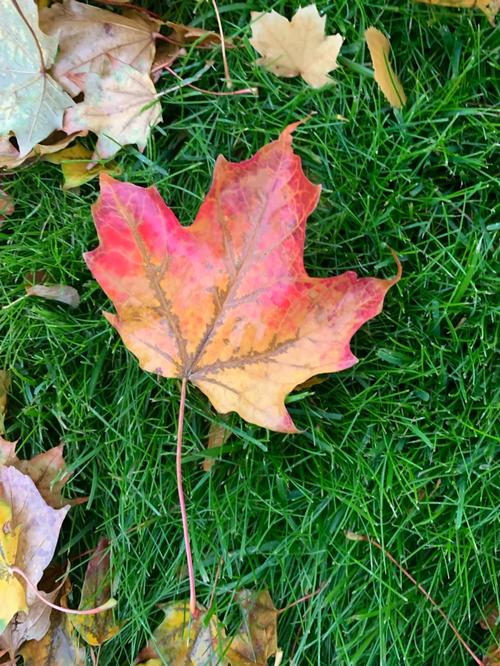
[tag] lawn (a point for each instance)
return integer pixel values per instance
(402, 447)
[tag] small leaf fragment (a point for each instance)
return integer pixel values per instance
(217, 436)
(4, 391)
(75, 162)
(96, 591)
(385, 76)
(6, 205)
(257, 639)
(182, 640)
(489, 8)
(55, 292)
(296, 47)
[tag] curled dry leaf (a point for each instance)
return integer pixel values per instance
(30, 530)
(257, 639)
(4, 391)
(181, 639)
(227, 303)
(55, 292)
(296, 47)
(10, 158)
(47, 470)
(203, 39)
(386, 78)
(77, 166)
(59, 646)
(89, 35)
(31, 101)
(488, 7)
(120, 106)
(166, 55)
(96, 591)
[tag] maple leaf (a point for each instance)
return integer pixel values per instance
(55, 292)
(31, 101)
(181, 639)
(29, 533)
(88, 35)
(6, 205)
(120, 106)
(47, 470)
(96, 590)
(386, 78)
(299, 46)
(258, 636)
(59, 646)
(489, 8)
(10, 156)
(203, 39)
(227, 303)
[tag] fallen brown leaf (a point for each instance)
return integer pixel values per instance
(296, 47)
(47, 470)
(203, 39)
(257, 639)
(101, 627)
(88, 36)
(217, 436)
(386, 78)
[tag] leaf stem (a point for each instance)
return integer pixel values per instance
(182, 503)
(227, 75)
(110, 603)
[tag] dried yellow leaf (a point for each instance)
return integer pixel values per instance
(386, 78)
(296, 47)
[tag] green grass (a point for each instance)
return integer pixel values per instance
(403, 446)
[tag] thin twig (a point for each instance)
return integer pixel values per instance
(69, 611)
(187, 82)
(227, 75)
(306, 597)
(363, 537)
(182, 503)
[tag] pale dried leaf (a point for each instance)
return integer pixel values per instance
(89, 35)
(38, 528)
(6, 205)
(120, 106)
(385, 76)
(257, 639)
(299, 46)
(55, 292)
(31, 101)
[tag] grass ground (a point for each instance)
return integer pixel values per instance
(401, 447)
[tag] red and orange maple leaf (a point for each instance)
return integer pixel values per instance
(226, 303)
